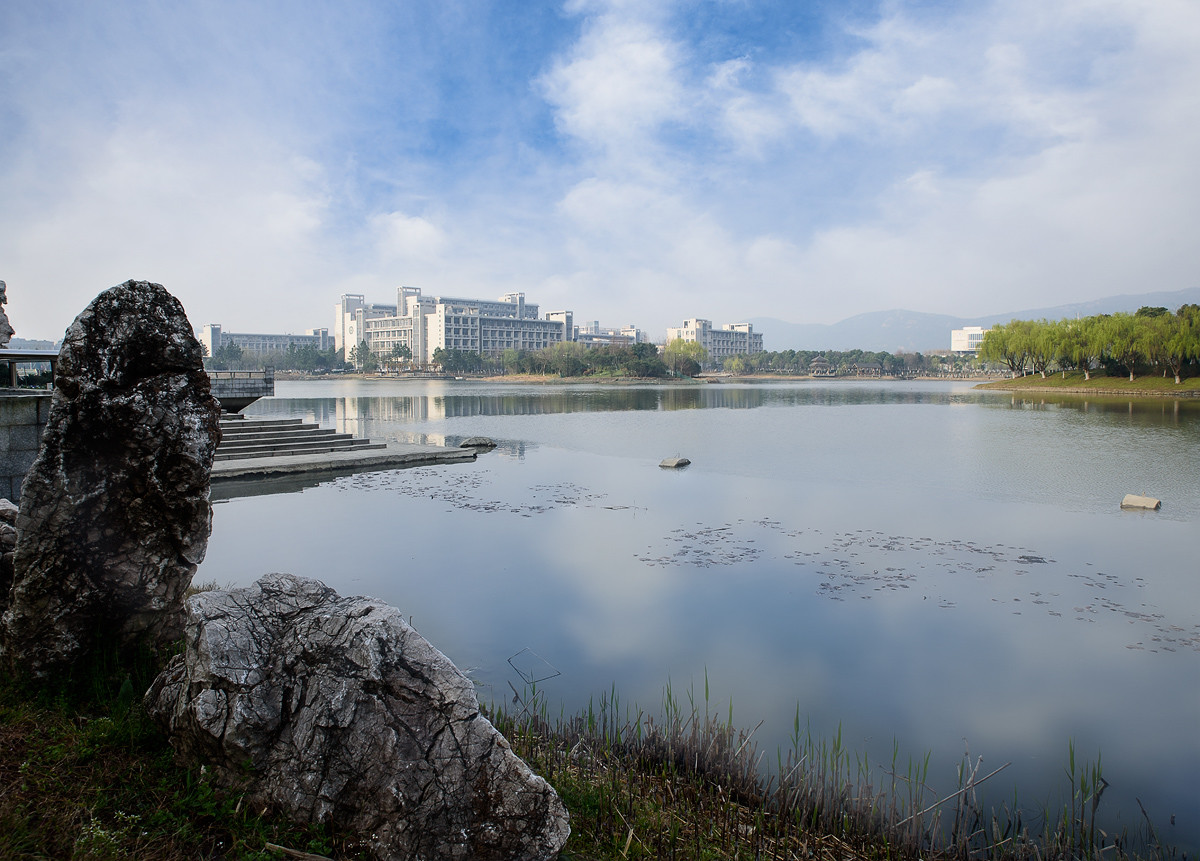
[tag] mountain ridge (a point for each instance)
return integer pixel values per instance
(899, 330)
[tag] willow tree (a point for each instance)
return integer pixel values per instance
(1006, 343)
(1124, 344)
(1081, 342)
(680, 353)
(1183, 341)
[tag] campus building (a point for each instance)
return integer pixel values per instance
(592, 334)
(213, 337)
(738, 339)
(425, 323)
(966, 341)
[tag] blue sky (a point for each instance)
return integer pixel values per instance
(635, 162)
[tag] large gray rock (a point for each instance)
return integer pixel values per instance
(114, 514)
(334, 710)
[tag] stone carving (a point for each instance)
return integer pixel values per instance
(334, 709)
(114, 514)
(6, 329)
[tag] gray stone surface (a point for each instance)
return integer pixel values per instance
(23, 419)
(8, 543)
(332, 709)
(114, 514)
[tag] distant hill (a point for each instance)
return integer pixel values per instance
(915, 332)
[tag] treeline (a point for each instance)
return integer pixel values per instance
(1150, 340)
(567, 359)
(231, 357)
(848, 363)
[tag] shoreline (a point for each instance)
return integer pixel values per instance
(554, 379)
(1117, 387)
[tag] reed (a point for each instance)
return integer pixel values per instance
(687, 783)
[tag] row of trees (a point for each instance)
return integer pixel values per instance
(844, 362)
(307, 358)
(1143, 342)
(567, 359)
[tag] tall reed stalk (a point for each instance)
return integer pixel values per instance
(688, 783)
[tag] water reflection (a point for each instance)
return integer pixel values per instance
(923, 563)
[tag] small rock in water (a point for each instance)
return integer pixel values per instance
(477, 442)
(674, 462)
(1146, 503)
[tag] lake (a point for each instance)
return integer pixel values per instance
(918, 563)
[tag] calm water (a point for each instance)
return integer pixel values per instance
(915, 562)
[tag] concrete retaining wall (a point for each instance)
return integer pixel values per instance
(22, 421)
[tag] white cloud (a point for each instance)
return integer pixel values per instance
(403, 237)
(618, 86)
(987, 158)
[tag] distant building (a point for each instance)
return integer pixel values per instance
(213, 337)
(425, 323)
(738, 339)
(966, 341)
(820, 367)
(594, 335)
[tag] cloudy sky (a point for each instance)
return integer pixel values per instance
(635, 161)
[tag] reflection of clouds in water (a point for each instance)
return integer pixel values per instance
(861, 563)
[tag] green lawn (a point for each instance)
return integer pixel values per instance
(1156, 385)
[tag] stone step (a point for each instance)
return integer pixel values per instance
(240, 425)
(266, 434)
(284, 451)
(253, 438)
(341, 440)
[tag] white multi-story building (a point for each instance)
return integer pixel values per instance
(592, 334)
(966, 340)
(737, 339)
(425, 323)
(214, 338)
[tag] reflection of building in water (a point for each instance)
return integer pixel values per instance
(426, 323)
(738, 339)
(352, 412)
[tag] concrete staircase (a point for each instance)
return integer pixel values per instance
(243, 438)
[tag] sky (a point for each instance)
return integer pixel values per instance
(633, 161)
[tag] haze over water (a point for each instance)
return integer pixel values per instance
(917, 563)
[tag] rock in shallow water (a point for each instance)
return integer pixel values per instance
(114, 514)
(334, 709)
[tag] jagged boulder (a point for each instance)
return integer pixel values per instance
(332, 709)
(114, 514)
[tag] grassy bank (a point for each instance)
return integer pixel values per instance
(85, 775)
(1074, 383)
(689, 784)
